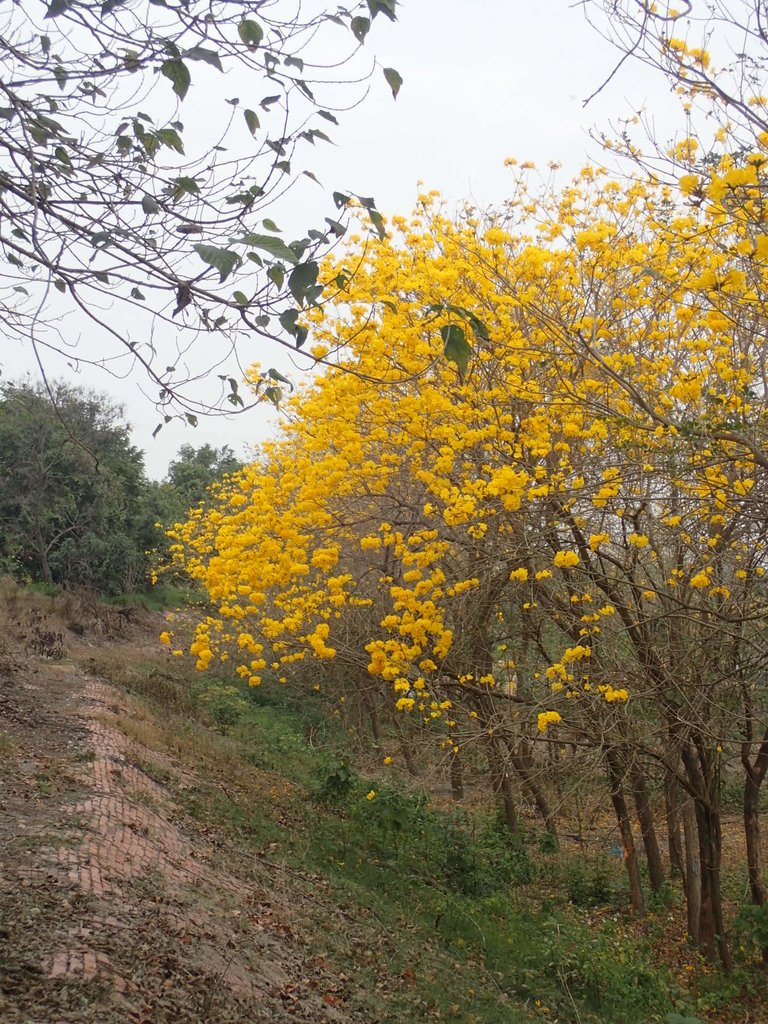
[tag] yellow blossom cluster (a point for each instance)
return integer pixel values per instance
(535, 427)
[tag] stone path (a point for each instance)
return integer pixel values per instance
(143, 922)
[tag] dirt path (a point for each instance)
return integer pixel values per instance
(113, 906)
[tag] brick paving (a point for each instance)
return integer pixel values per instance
(128, 913)
(117, 837)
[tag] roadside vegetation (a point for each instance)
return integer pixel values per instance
(438, 912)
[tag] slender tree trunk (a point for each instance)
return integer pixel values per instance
(673, 811)
(502, 787)
(42, 553)
(457, 776)
(553, 753)
(712, 940)
(406, 750)
(752, 836)
(647, 828)
(754, 774)
(369, 702)
(625, 828)
(692, 873)
(536, 793)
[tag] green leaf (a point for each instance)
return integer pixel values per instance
(327, 116)
(59, 285)
(149, 204)
(240, 298)
(276, 274)
(288, 320)
(378, 222)
(250, 32)
(137, 294)
(394, 80)
(207, 56)
(274, 246)
(171, 138)
(185, 186)
(57, 7)
(386, 7)
(223, 260)
(178, 73)
(338, 229)
(252, 120)
(301, 279)
(61, 75)
(270, 225)
(360, 28)
(275, 375)
(456, 348)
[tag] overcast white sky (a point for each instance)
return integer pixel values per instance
(483, 80)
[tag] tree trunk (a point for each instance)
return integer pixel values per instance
(647, 828)
(752, 836)
(712, 940)
(406, 750)
(523, 765)
(42, 553)
(502, 787)
(457, 777)
(673, 811)
(625, 828)
(536, 793)
(369, 702)
(692, 874)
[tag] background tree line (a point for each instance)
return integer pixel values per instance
(76, 505)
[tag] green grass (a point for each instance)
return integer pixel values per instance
(440, 917)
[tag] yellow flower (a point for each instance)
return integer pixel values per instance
(371, 794)
(699, 581)
(165, 637)
(566, 559)
(547, 718)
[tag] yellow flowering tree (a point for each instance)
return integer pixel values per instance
(526, 500)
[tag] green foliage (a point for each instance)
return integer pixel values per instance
(588, 884)
(338, 783)
(75, 505)
(751, 927)
(456, 348)
(224, 705)
(191, 474)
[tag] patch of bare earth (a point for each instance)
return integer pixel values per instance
(113, 906)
